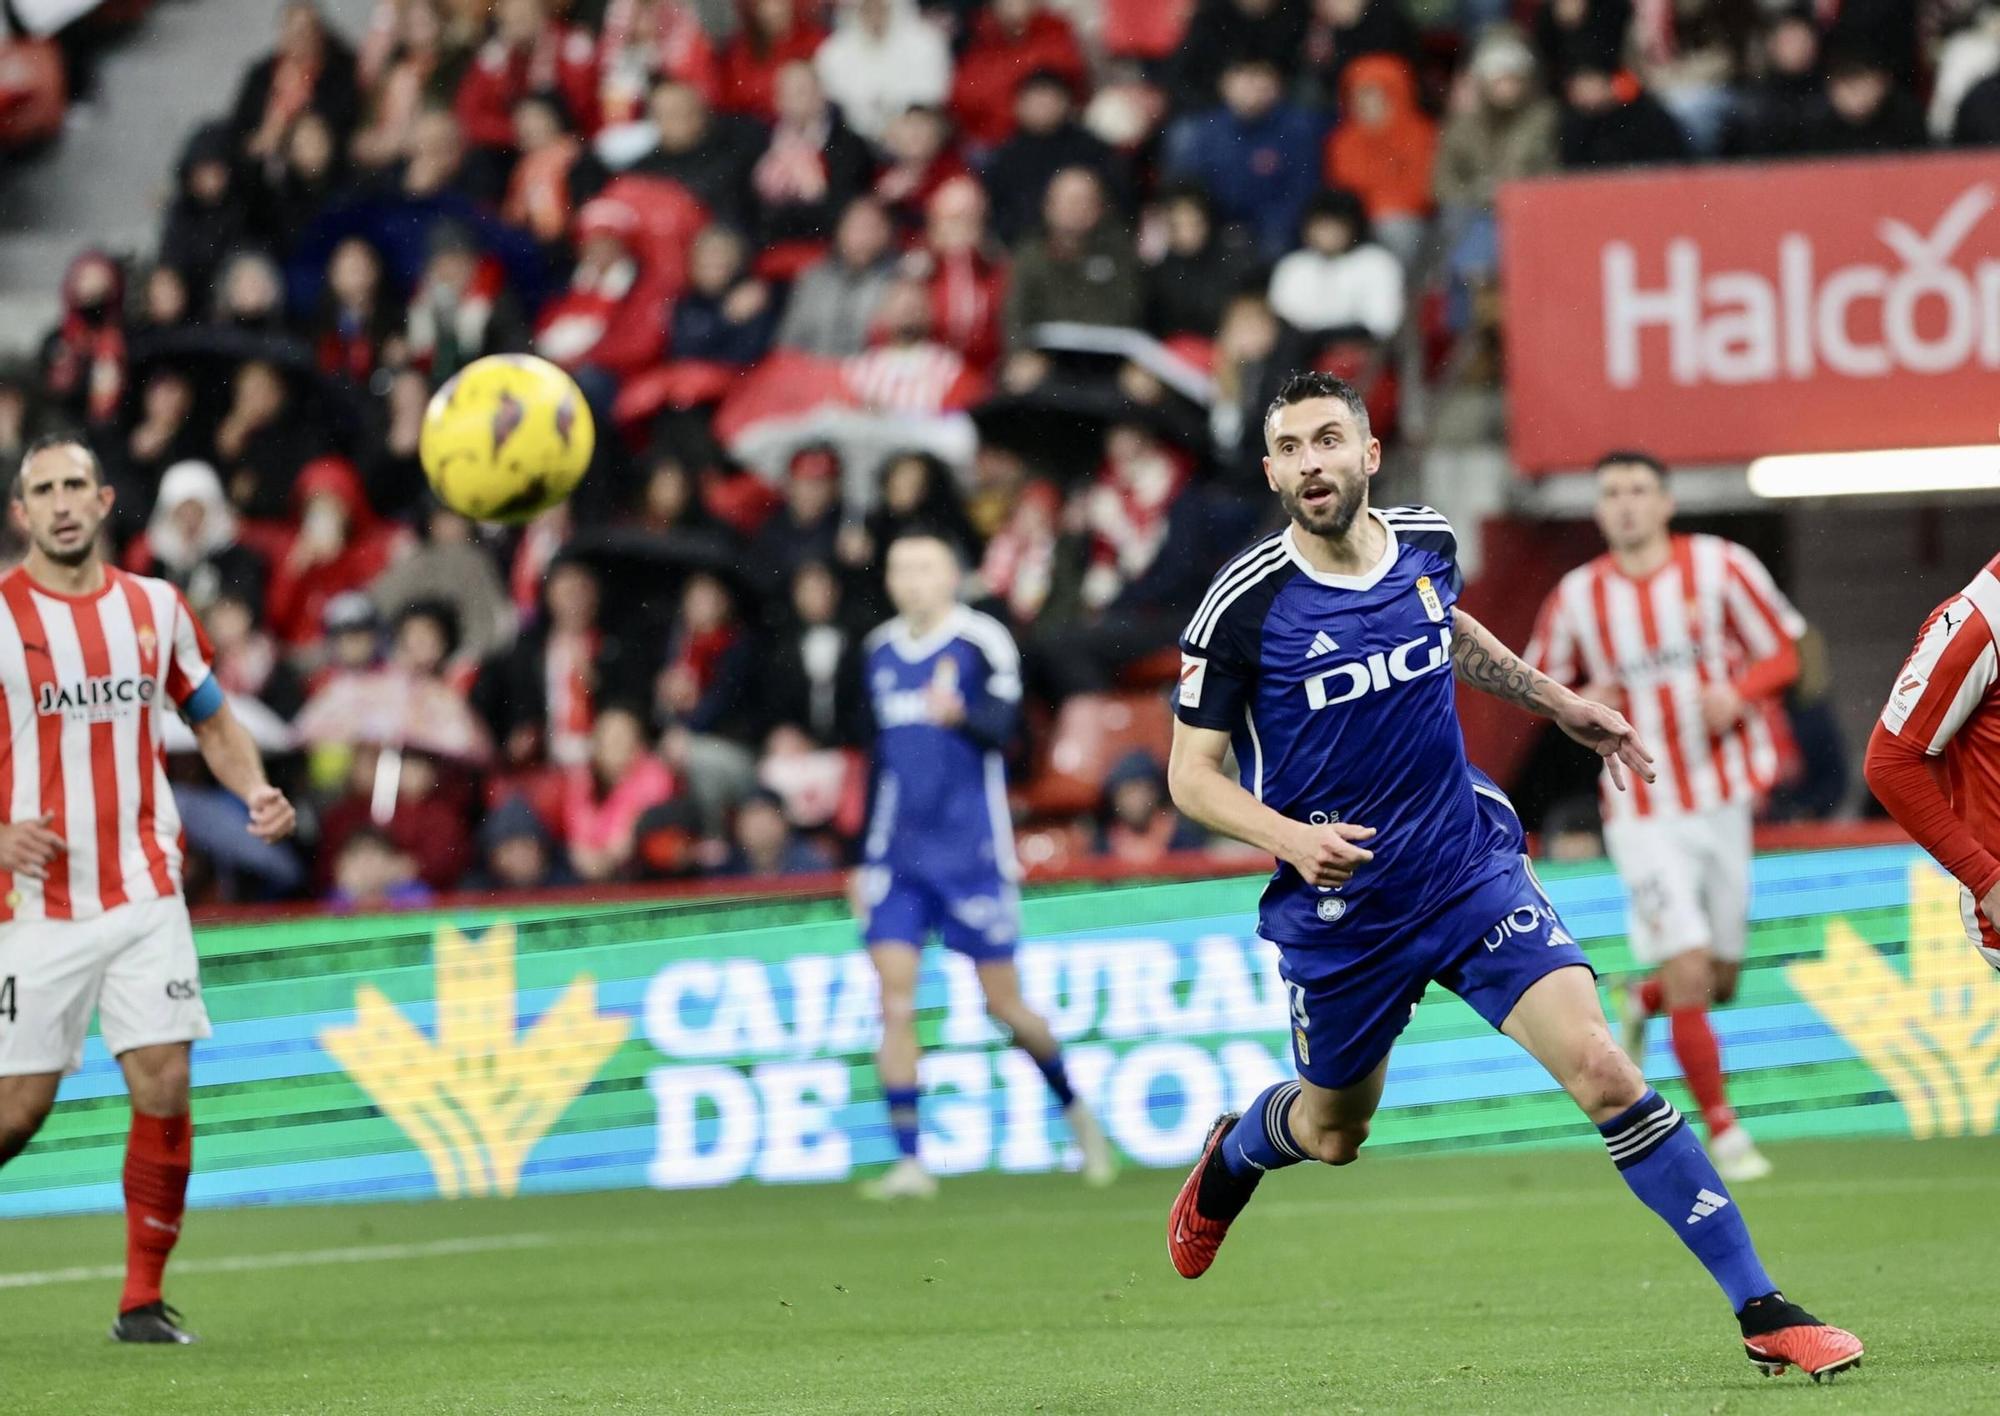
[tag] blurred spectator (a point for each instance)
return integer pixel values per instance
(761, 841)
(914, 495)
(339, 544)
(1010, 40)
(1338, 279)
(451, 568)
(882, 57)
(807, 527)
(1083, 268)
(606, 796)
(517, 853)
(922, 159)
(250, 294)
(163, 434)
(1966, 57)
(351, 638)
(435, 166)
(644, 41)
(611, 322)
(1886, 31)
(965, 278)
(248, 661)
(551, 174)
(813, 166)
(540, 696)
(1572, 33)
(1047, 139)
(461, 309)
(1977, 123)
(207, 216)
(1021, 563)
(1136, 824)
(84, 367)
(1383, 150)
(726, 316)
(710, 663)
(833, 304)
(371, 873)
(1505, 130)
(192, 540)
(428, 822)
(1862, 111)
(710, 154)
(769, 35)
(262, 443)
(1257, 155)
(1254, 353)
(1690, 55)
(1771, 114)
(1341, 32)
(308, 177)
(1223, 31)
(360, 321)
(1126, 510)
(530, 52)
(1202, 267)
(420, 69)
(1609, 120)
(311, 71)
(423, 639)
(164, 302)
(810, 675)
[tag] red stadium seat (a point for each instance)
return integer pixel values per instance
(1092, 732)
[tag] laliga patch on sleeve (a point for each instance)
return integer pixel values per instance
(1193, 671)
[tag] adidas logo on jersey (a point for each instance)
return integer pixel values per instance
(1706, 1203)
(1323, 643)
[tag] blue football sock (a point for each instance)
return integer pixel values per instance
(1657, 1153)
(902, 1104)
(1262, 1138)
(1057, 1076)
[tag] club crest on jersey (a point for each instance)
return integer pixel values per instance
(149, 644)
(1332, 908)
(94, 699)
(1428, 595)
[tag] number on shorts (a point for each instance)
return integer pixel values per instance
(7, 997)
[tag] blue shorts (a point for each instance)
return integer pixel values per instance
(978, 916)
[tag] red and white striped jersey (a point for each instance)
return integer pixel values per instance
(1947, 701)
(1700, 619)
(81, 683)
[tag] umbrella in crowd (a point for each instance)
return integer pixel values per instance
(395, 710)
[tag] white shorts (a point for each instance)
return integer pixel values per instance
(135, 965)
(1687, 879)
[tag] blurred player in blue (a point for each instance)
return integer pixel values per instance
(1325, 657)
(944, 688)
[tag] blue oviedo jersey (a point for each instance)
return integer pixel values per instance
(938, 801)
(1337, 694)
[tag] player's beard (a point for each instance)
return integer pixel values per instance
(69, 556)
(1332, 519)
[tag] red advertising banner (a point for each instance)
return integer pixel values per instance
(1715, 315)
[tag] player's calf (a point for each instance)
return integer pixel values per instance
(25, 1102)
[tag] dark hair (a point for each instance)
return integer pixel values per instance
(1632, 456)
(1338, 204)
(1309, 384)
(43, 444)
(441, 613)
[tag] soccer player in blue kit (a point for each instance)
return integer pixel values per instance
(944, 688)
(1325, 656)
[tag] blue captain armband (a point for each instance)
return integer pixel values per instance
(204, 703)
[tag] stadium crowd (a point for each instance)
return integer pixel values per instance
(1021, 273)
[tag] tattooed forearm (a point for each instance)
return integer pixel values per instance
(1480, 661)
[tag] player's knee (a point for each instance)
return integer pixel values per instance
(899, 1010)
(1604, 1079)
(19, 1121)
(1338, 1145)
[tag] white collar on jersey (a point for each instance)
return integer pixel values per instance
(1368, 579)
(912, 650)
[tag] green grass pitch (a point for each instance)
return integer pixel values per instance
(1527, 1282)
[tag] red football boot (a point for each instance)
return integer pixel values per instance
(1210, 1199)
(1778, 1334)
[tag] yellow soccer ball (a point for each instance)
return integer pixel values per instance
(506, 438)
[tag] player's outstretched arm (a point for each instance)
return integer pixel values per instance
(1481, 661)
(1211, 798)
(231, 754)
